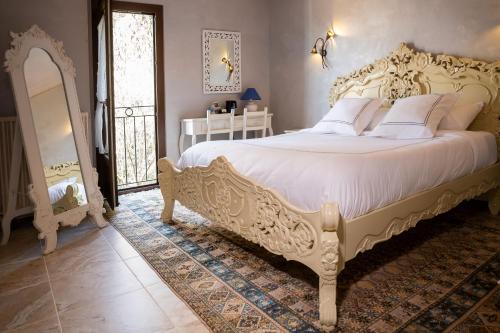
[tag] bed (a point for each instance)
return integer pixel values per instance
(323, 199)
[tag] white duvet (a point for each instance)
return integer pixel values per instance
(359, 173)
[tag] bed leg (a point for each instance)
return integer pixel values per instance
(327, 301)
(330, 218)
(494, 201)
(166, 180)
(168, 210)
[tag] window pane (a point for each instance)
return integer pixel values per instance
(134, 89)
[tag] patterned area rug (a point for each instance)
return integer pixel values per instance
(441, 275)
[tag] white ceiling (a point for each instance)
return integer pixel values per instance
(40, 72)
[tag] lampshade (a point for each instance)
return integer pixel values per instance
(250, 95)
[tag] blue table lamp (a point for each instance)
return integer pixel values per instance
(251, 95)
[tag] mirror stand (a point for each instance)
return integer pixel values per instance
(47, 223)
(64, 186)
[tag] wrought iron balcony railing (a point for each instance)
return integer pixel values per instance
(135, 141)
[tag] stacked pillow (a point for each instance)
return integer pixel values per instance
(348, 116)
(460, 117)
(413, 117)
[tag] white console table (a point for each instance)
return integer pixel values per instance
(198, 126)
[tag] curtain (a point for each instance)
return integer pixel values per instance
(101, 112)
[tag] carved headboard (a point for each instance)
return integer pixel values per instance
(406, 72)
(58, 172)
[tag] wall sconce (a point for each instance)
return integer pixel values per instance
(321, 48)
(229, 66)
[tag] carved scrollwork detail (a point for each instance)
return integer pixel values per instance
(217, 193)
(96, 203)
(61, 169)
(401, 69)
(11, 55)
(209, 192)
(446, 202)
(188, 188)
(280, 230)
(401, 85)
(455, 65)
(406, 72)
(43, 215)
(221, 211)
(96, 199)
(330, 256)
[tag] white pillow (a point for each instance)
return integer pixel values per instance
(415, 117)
(460, 117)
(377, 118)
(348, 116)
(57, 191)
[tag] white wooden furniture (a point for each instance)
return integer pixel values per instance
(254, 121)
(216, 124)
(36, 62)
(324, 240)
(198, 126)
(15, 172)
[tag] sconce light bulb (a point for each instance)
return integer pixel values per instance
(314, 50)
(330, 33)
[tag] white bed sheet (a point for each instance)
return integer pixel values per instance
(359, 173)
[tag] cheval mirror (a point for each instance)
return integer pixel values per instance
(64, 184)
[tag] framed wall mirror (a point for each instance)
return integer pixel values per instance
(64, 184)
(221, 62)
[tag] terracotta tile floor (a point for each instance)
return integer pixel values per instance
(94, 282)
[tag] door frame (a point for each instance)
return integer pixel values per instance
(160, 124)
(105, 163)
(157, 12)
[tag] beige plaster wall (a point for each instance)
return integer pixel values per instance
(366, 30)
(183, 25)
(65, 20)
(184, 21)
(277, 36)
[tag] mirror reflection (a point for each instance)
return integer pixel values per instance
(221, 61)
(54, 132)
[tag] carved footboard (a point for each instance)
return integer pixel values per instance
(219, 193)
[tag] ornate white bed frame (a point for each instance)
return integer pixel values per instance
(324, 240)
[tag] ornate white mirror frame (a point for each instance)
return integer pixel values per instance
(45, 220)
(210, 87)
